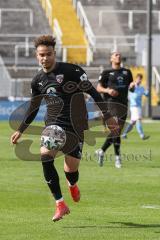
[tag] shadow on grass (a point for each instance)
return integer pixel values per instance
(119, 225)
(136, 225)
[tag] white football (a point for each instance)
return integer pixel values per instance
(53, 137)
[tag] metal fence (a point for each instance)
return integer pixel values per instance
(5, 80)
(17, 10)
(130, 13)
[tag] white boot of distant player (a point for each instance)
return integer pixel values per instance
(100, 156)
(118, 163)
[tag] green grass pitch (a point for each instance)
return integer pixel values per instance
(116, 204)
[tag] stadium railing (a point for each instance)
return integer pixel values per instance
(112, 41)
(121, 1)
(153, 1)
(62, 52)
(116, 40)
(88, 30)
(22, 46)
(102, 42)
(19, 10)
(74, 2)
(58, 34)
(84, 21)
(57, 31)
(130, 14)
(47, 6)
(5, 90)
(20, 88)
(25, 40)
(23, 36)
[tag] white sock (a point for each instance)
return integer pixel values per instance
(101, 151)
(71, 185)
(118, 158)
(60, 200)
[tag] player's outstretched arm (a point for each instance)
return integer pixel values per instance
(15, 136)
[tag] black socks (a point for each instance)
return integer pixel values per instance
(51, 176)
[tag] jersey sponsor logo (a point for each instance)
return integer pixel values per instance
(51, 91)
(84, 77)
(60, 78)
(120, 82)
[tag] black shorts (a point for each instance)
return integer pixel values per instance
(74, 143)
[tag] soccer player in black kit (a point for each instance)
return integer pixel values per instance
(114, 85)
(61, 85)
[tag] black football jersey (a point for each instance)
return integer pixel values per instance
(118, 80)
(62, 91)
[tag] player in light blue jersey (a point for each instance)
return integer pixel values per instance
(135, 99)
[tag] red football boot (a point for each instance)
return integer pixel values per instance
(61, 210)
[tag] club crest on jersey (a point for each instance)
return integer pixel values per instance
(60, 78)
(125, 72)
(84, 77)
(51, 91)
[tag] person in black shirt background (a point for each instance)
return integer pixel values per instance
(61, 85)
(114, 85)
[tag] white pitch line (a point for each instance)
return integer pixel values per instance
(151, 206)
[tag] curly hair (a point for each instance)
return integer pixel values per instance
(47, 40)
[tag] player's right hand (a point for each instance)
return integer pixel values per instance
(112, 92)
(15, 136)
